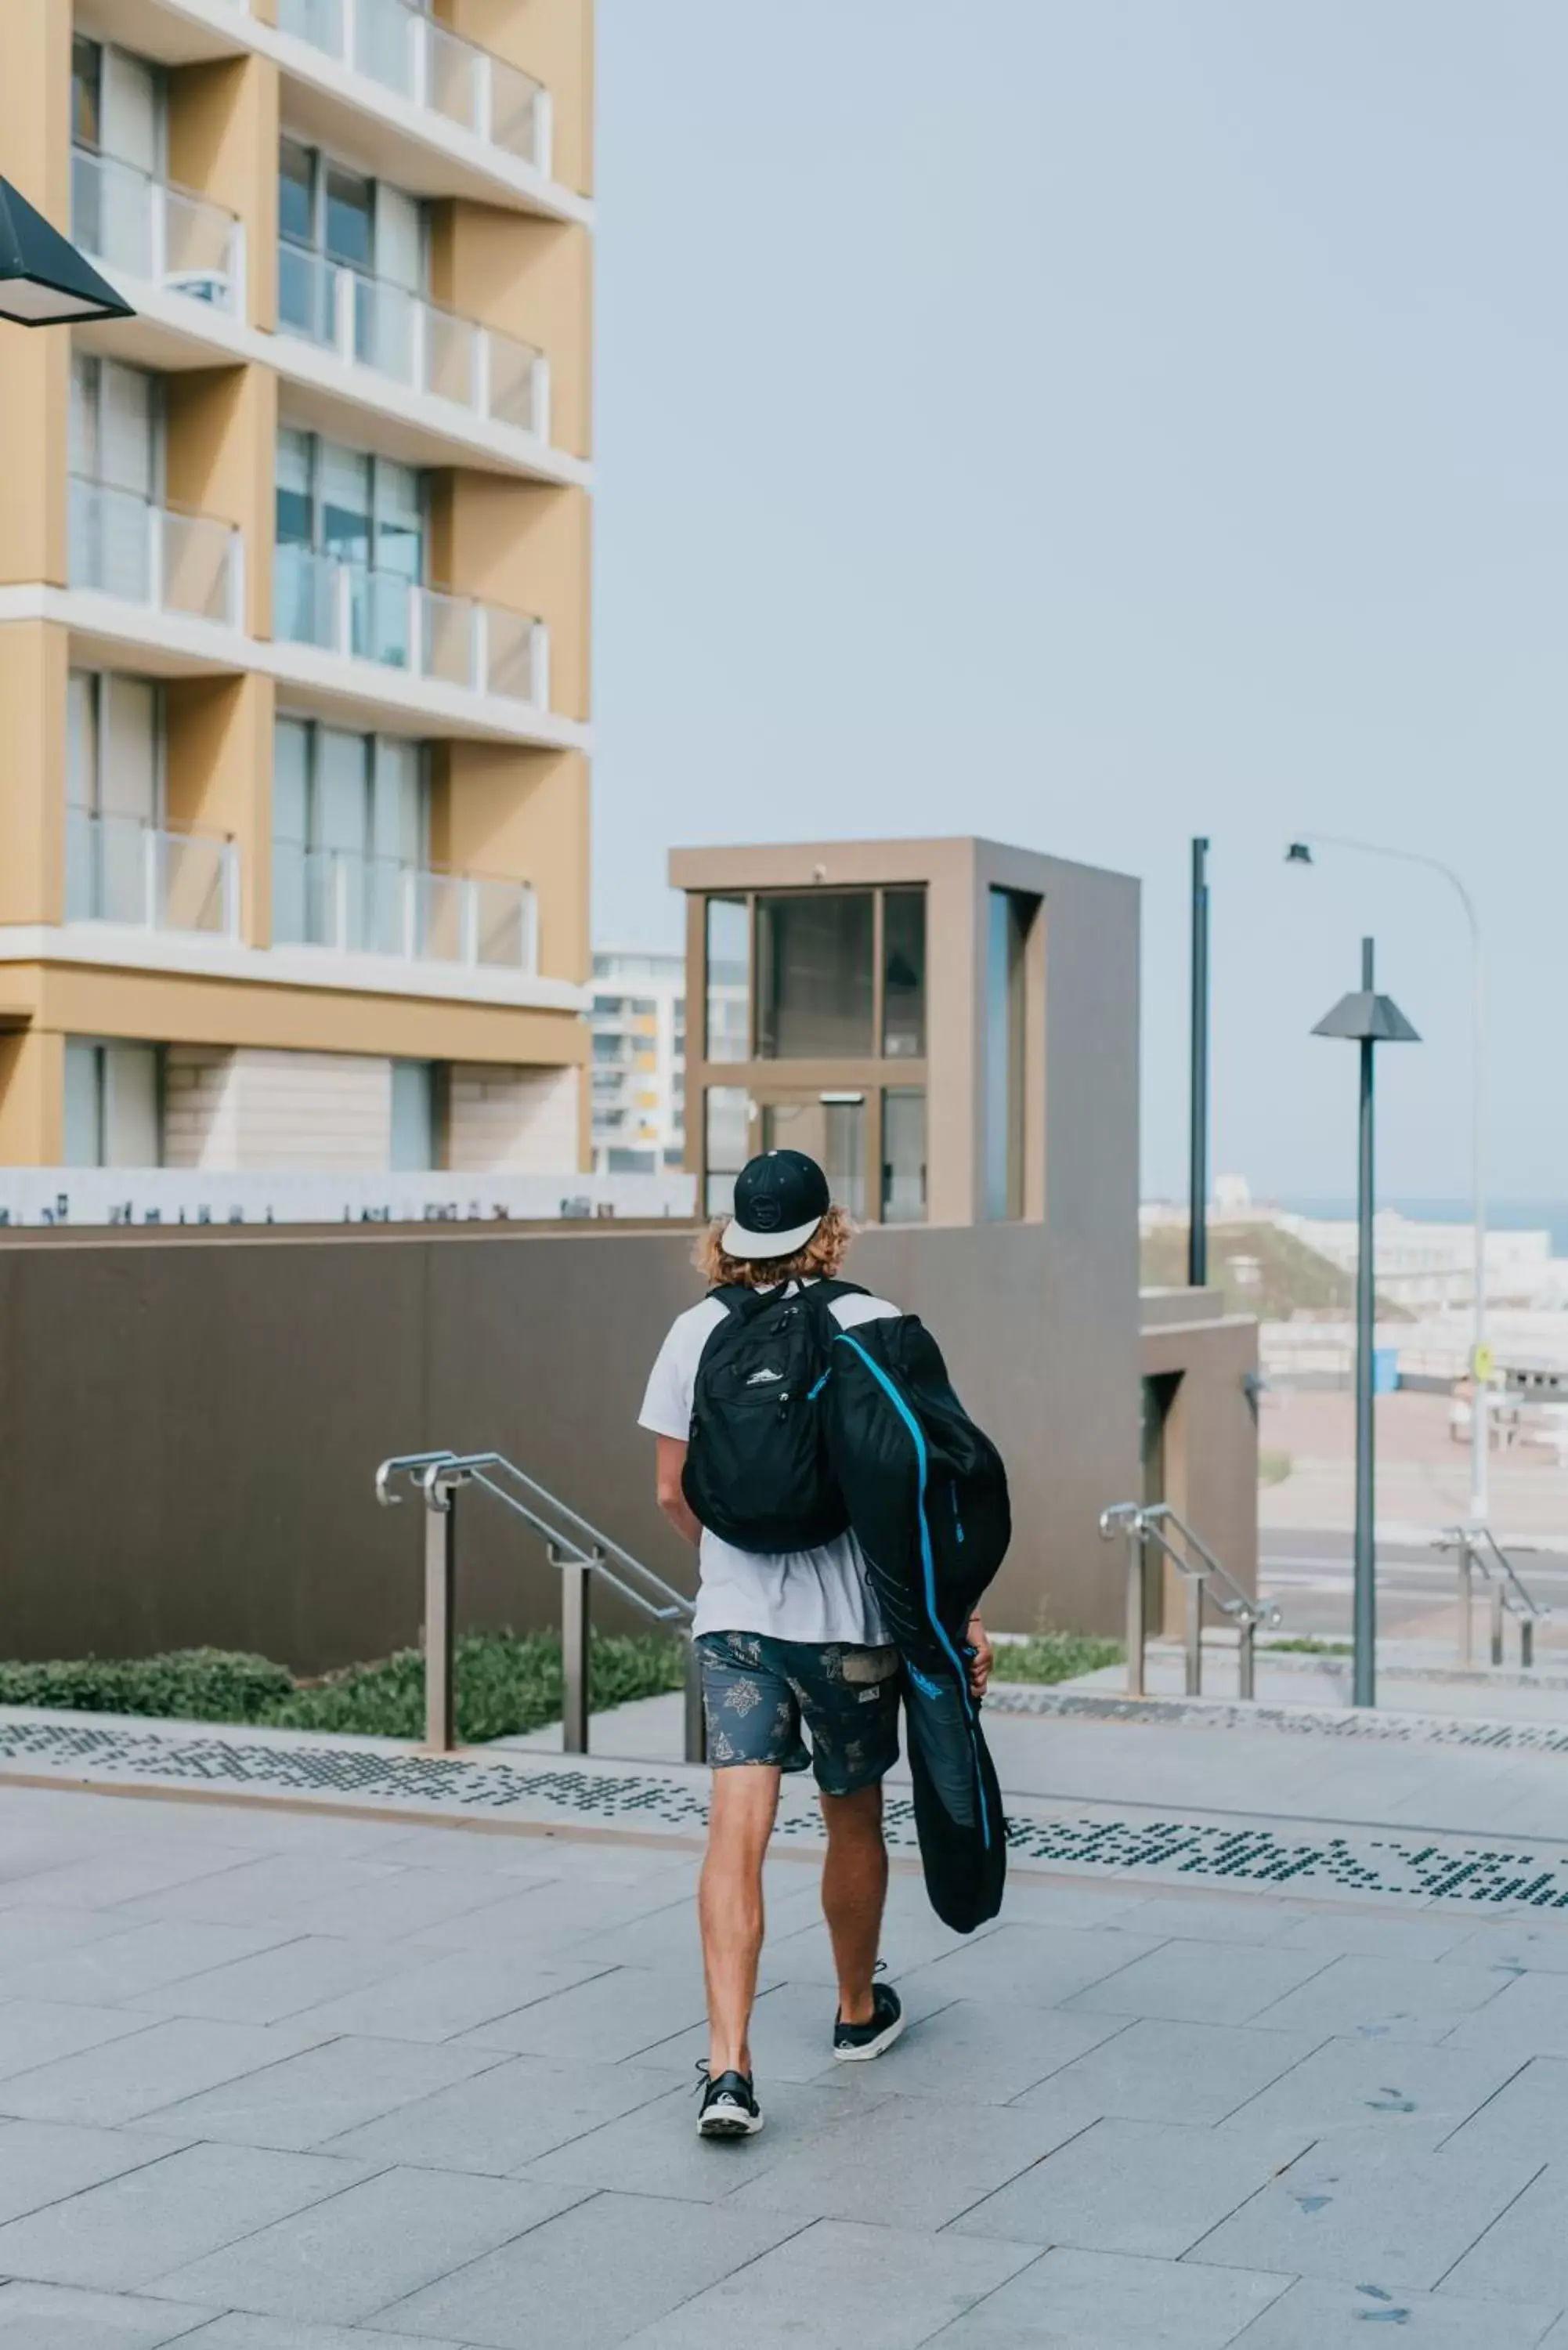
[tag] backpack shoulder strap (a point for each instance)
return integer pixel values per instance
(741, 1303)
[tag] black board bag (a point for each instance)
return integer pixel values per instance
(925, 1493)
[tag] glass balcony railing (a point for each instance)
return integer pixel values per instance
(369, 322)
(146, 229)
(123, 546)
(364, 614)
(121, 868)
(378, 905)
(394, 43)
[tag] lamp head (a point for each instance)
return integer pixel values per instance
(1298, 853)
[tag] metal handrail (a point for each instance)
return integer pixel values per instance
(572, 1544)
(1477, 1547)
(1145, 1524)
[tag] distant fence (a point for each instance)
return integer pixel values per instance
(166, 1195)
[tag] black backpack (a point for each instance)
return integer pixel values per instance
(757, 1468)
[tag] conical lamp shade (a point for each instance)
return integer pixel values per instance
(44, 281)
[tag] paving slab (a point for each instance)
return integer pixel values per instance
(1528, 2017)
(286, 1980)
(839, 2286)
(304, 2099)
(1112, 2301)
(1387, 1999)
(613, 2014)
(442, 1997)
(1381, 2083)
(1370, 2206)
(899, 2163)
(1527, 2117)
(589, 2277)
(1537, 1944)
(43, 2162)
(657, 2142)
(1201, 1982)
(1524, 2255)
(151, 2067)
(1323, 2316)
(506, 2117)
(57, 2317)
(122, 2234)
(121, 1966)
(1346, 1933)
(35, 2032)
(240, 2330)
(1152, 2071)
(1039, 1966)
(368, 2246)
(1150, 2188)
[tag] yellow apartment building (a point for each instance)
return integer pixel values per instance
(294, 588)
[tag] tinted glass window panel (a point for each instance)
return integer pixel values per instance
(295, 193)
(86, 94)
(728, 1109)
(293, 489)
(1005, 1029)
(814, 977)
(904, 973)
(728, 1010)
(349, 201)
(345, 502)
(83, 1142)
(904, 1156)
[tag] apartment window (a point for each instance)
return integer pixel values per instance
(113, 1105)
(728, 1111)
(728, 1010)
(331, 217)
(118, 106)
(830, 1129)
(416, 1124)
(904, 974)
(904, 1156)
(350, 839)
(814, 976)
(115, 462)
(1005, 1066)
(338, 505)
(114, 792)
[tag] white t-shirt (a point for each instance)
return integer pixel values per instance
(798, 1594)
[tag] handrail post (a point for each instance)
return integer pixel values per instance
(441, 1585)
(696, 1714)
(1467, 1604)
(1136, 1604)
(574, 1627)
(1526, 1642)
(1245, 1659)
(1194, 1676)
(1497, 1619)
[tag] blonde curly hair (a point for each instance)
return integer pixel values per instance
(819, 1260)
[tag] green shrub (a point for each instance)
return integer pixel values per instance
(1056, 1656)
(1273, 1468)
(1302, 1647)
(188, 1684)
(506, 1683)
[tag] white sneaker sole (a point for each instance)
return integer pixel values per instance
(878, 2047)
(728, 2121)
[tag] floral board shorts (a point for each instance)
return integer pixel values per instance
(757, 1692)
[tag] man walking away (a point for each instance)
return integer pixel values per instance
(788, 1639)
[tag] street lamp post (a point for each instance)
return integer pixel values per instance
(1300, 852)
(1198, 1080)
(1367, 1020)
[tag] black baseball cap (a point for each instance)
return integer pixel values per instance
(780, 1199)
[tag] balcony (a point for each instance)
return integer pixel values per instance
(369, 322)
(141, 876)
(362, 614)
(190, 565)
(353, 904)
(407, 53)
(146, 229)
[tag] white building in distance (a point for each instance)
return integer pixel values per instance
(638, 1023)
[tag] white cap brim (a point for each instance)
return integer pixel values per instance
(738, 1241)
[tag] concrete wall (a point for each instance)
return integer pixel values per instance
(189, 1424)
(1211, 1428)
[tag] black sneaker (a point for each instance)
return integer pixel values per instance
(729, 2107)
(856, 2043)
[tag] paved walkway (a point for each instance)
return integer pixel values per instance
(287, 2079)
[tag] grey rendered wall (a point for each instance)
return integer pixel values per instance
(189, 1427)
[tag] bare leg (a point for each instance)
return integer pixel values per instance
(730, 1907)
(854, 1889)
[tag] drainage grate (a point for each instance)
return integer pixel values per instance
(1416, 1868)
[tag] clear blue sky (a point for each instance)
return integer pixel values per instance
(1096, 423)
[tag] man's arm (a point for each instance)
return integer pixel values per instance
(672, 1500)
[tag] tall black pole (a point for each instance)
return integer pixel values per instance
(1198, 1108)
(1365, 1683)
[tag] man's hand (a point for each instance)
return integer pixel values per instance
(980, 1663)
